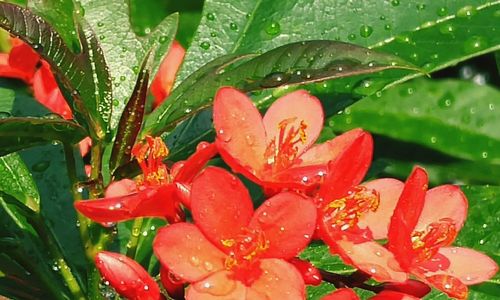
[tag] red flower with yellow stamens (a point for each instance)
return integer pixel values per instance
(277, 150)
(232, 251)
(159, 193)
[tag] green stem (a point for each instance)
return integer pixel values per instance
(134, 237)
(48, 238)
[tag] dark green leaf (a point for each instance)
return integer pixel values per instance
(292, 64)
(90, 93)
(17, 181)
(131, 120)
(18, 133)
(455, 117)
(123, 50)
(59, 13)
(236, 26)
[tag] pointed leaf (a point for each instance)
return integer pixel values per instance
(131, 120)
(17, 181)
(91, 94)
(291, 64)
(19, 133)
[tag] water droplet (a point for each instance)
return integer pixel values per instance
(447, 28)
(491, 106)
(484, 154)
(433, 139)
(395, 2)
(195, 261)
(233, 26)
(474, 44)
(163, 39)
(213, 34)
(442, 11)
(135, 69)
(446, 101)
(225, 137)
(136, 231)
(382, 17)
(466, 11)
(249, 140)
(205, 45)
(421, 6)
(282, 229)
(387, 26)
(351, 37)
(274, 79)
(365, 31)
(4, 114)
(100, 24)
(273, 29)
(210, 16)
(208, 266)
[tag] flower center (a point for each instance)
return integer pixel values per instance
(150, 155)
(245, 247)
(438, 234)
(344, 213)
(282, 151)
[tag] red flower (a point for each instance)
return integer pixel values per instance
(422, 229)
(351, 216)
(276, 150)
(25, 64)
(164, 79)
(126, 276)
(160, 193)
(349, 294)
(232, 252)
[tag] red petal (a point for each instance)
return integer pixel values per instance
(150, 202)
(298, 177)
(288, 222)
(279, 280)
(310, 274)
(241, 137)
(185, 251)
(165, 77)
(221, 205)
(341, 294)
(323, 153)
(120, 188)
(217, 286)
(468, 265)
(389, 190)
(6, 70)
(193, 165)
(412, 287)
(84, 146)
(452, 286)
(126, 276)
(301, 106)
(23, 58)
(372, 258)
(446, 201)
(348, 168)
(406, 215)
(173, 285)
(391, 295)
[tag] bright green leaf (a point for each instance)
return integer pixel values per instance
(454, 117)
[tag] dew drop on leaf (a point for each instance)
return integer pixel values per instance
(163, 39)
(273, 29)
(233, 26)
(351, 37)
(4, 114)
(395, 2)
(365, 31)
(442, 11)
(474, 44)
(466, 11)
(205, 45)
(210, 16)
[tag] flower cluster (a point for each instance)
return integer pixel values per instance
(397, 233)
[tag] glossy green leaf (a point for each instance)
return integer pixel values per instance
(91, 94)
(123, 50)
(292, 64)
(130, 120)
(19, 133)
(17, 181)
(454, 117)
(59, 13)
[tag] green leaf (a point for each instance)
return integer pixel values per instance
(237, 26)
(18, 133)
(91, 94)
(131, 120)
(59, 13)
(454, 117)
(292, 64)
(17, 181)
(319, 255)
(123, 50)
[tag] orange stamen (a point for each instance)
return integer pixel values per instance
(438, 234)
(150, 155)
(245, 247)
(344, 213)
(282, 151)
